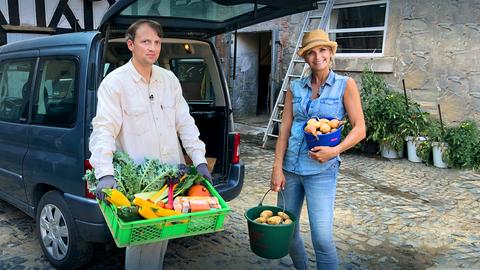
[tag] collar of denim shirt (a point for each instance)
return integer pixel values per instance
(307, 81)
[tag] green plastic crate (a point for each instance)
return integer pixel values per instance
(163, 228)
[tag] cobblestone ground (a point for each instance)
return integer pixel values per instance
(390, 214)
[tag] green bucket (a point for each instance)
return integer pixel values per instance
(269, 241)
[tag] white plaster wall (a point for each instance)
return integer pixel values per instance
(4, 9)
(27, 12)
(13, 37)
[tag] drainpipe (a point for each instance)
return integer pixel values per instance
(273, 67)
(235, 55)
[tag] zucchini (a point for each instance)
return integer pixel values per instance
(128, 213)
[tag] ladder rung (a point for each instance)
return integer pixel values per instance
(279, 105)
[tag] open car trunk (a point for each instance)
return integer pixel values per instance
(194, 64)
(199, 18)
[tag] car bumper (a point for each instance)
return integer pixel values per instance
(231, 188)
(89, 219)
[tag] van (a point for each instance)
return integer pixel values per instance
(48, 99)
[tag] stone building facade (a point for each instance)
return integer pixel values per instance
(432, 45)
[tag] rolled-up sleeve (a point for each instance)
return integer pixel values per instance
(106, 126)
(186, 128)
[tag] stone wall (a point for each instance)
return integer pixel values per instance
(438, 54)
(433, 46)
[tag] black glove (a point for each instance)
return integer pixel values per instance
(202, 169)
(106, 181)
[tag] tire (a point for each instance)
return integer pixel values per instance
(58, 235)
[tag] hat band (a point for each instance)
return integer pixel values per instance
(316, 40)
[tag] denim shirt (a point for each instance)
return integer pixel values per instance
(328, 104)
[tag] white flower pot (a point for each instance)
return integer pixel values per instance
(438, 149)
(412, 143)
(389, 152)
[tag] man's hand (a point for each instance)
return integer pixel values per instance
(106, 181)
(202, 169)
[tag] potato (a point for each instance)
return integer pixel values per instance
(274, 220)
(334, 123)
(323, 120)
(287, 221)
(311, 121)
(260, 220)
(310, 129)
(283, 215)
(325, 128)
(266, 213)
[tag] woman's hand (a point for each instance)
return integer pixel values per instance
(278, 180)
(323, 153)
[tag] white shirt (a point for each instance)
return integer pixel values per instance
(129, 120)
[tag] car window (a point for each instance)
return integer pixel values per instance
(15, 85)
(208, 10)
(55, 101)
(194, 78)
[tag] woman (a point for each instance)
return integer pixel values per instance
(312, 173)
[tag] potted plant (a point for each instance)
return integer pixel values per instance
(390, 113)
(384, 111)
(434, 150)
(372, 85)
(463, 141)
(415, 129)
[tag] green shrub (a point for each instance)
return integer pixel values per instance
(463, 143)
(384, 109)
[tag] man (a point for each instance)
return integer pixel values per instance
(141, 111)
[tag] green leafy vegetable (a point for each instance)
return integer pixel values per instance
(133, 178)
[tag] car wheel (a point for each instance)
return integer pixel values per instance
(58, 234)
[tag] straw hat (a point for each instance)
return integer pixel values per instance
(316, 38)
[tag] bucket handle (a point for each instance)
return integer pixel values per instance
(283, 197)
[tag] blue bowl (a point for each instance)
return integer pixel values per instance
(330, 139)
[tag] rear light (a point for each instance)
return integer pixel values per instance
(87, 166)
(236, 148)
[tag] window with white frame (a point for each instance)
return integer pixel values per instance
(360, 28)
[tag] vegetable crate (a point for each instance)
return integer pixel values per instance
(153, 230)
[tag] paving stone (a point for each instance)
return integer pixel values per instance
(388, 215)
(373, 242)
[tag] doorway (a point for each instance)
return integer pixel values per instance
(265, 63)
(251, 85)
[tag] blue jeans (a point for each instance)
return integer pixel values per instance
(319, 189)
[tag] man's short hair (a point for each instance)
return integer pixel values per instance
(132, 29)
